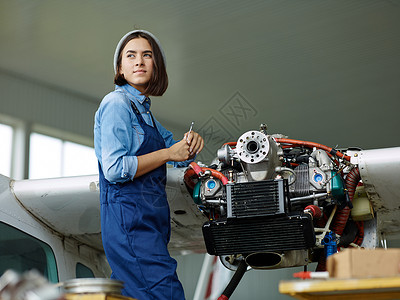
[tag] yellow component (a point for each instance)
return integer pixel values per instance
(96, 296)
(335, 289)
(362, 209)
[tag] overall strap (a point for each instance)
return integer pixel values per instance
(136, 110)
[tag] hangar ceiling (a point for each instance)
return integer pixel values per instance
(325, 71)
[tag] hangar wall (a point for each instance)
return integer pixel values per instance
(45, 106)
(50, 109)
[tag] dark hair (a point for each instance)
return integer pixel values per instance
(159, 79)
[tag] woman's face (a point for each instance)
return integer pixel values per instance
(137, 63)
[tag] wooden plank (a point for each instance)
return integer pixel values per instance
(368, 288)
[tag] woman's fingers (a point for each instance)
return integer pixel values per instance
(195, 143)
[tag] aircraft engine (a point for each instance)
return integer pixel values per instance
(275, 202)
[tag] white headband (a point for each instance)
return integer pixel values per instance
(117, 50)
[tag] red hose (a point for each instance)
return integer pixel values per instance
(315, 211)
(194, 168)
(302, 143)
(188, 178)
(311, 145)
(340, 220)
(360, 234)
(218, 175)
(232, 144)
(341, 217)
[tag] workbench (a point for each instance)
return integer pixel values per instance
(366, 288)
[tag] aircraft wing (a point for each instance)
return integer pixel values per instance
(70, 206)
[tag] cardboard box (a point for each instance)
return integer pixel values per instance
(364, 263)
(95, 296)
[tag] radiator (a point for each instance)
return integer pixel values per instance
(245, 236)
(257, 198)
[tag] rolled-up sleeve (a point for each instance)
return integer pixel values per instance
(117, 138)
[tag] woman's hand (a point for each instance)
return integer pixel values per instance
(195, 142)
(179, 151)
(191, 144)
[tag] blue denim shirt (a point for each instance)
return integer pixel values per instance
(118, 135)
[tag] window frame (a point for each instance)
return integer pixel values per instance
(51, 261)
(9, 171)
(81, 267)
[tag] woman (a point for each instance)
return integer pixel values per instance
(132, 148)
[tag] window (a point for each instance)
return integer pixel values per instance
(22, 252)
(78, 160)
(52, 157)
(6, 134)
(44, 156)
(83, 272)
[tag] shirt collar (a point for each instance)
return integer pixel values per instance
(135, 93)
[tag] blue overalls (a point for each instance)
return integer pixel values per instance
(136, 228)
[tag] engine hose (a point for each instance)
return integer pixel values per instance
(360, 234)
(187, 178)
(232, 144)
(232, 285)
(340, 220)
(196, 169)
(314, 210)
(311, 145)
(341, 217)
(217, 174)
